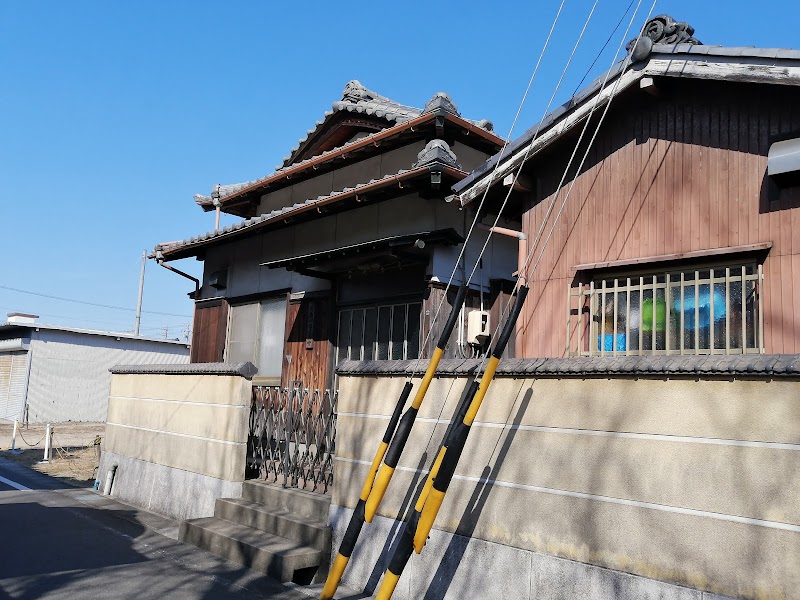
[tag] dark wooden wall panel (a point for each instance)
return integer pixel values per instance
(681, 173)
(309, 342)
(208, 332)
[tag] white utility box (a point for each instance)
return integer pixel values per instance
(478, 327)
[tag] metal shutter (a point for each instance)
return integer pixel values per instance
(13, 373)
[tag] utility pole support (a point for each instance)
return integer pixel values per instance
(141, 291)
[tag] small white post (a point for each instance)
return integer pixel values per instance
(14, 436)
(48, 444)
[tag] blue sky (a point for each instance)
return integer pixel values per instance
(114, 114)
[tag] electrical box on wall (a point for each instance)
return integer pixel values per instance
(478, 327)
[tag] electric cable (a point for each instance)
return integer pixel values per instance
(400, 436)
(430, 499)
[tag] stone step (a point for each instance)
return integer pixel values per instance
(286, 524)
(278, 557)
(300, 502)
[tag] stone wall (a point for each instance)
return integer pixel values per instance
(633, 478)
(178, 435)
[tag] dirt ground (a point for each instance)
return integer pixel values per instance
(74, 457)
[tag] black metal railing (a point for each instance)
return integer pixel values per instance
(292, 437)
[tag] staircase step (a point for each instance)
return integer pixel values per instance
(302, 503)
(278, 557)
(283, 523)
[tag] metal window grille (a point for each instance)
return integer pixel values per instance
(384, 332)
(710, 310)
(292, 437)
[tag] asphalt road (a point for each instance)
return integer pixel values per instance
(68, 543)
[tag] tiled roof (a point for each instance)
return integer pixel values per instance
(245, 369)
(745, 54)
(772, 365)
(432, 154)
(355, 99)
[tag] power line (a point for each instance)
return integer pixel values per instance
(151, 312)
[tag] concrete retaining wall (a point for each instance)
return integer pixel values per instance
(673, 484)
(178, 437)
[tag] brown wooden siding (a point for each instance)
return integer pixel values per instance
(685, 172)
(495, 302)
(308, 342)
(208, 332)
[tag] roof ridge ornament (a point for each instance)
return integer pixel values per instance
(661, 29)
(437, 151)
(441, 100)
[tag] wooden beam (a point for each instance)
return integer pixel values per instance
(521, 183)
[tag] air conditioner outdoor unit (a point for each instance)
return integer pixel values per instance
(478, 327)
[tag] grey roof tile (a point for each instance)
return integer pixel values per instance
(776, 365)
(245, 369)
(355, 98)
(553, 117)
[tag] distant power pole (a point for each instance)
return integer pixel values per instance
(141, 291)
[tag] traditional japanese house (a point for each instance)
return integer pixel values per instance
(680, 234)
(344, 251)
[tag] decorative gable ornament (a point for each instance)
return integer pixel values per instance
(662, 29)
(437, 151)
(443, 101)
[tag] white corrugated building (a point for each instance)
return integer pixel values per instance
(50, 373)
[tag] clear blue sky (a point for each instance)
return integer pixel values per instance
(114, 114)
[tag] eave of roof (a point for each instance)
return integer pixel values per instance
(11, 327)
(184, 248)
(235, 193)
(743, 64)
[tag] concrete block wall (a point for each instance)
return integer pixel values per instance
(179, 439)
(676, 483)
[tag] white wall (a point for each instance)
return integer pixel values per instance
(70, 378)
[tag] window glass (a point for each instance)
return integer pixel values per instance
(689, 311)
(380, 332)
(241, 346)
(272, 326)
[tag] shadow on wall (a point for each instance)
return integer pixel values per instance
(454, 553)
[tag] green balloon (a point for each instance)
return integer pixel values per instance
(647, 315)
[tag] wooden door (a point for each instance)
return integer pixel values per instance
(308, 346)
(208, 332)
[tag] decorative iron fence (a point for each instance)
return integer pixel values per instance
(292, 437)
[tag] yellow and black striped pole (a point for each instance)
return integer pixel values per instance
(418, 527)
(407, 422)
(357, 520)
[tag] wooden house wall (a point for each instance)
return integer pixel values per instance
(683, 172)
(209, 331)
(309, 342)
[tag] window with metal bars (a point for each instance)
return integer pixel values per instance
(382, 332)
(705, 310)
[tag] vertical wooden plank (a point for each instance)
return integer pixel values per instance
(727, 310)
(726, 157)
(667, 321)
(682, 330)
(697, 312)
(744, 309)
(712, 175)
(628, 316)
(761, 332)
(602, 335)
(569, 319)
(580, 318)
(615, 315)
(653, 344)
(711, 315)
(592, 327)
(641, 315)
